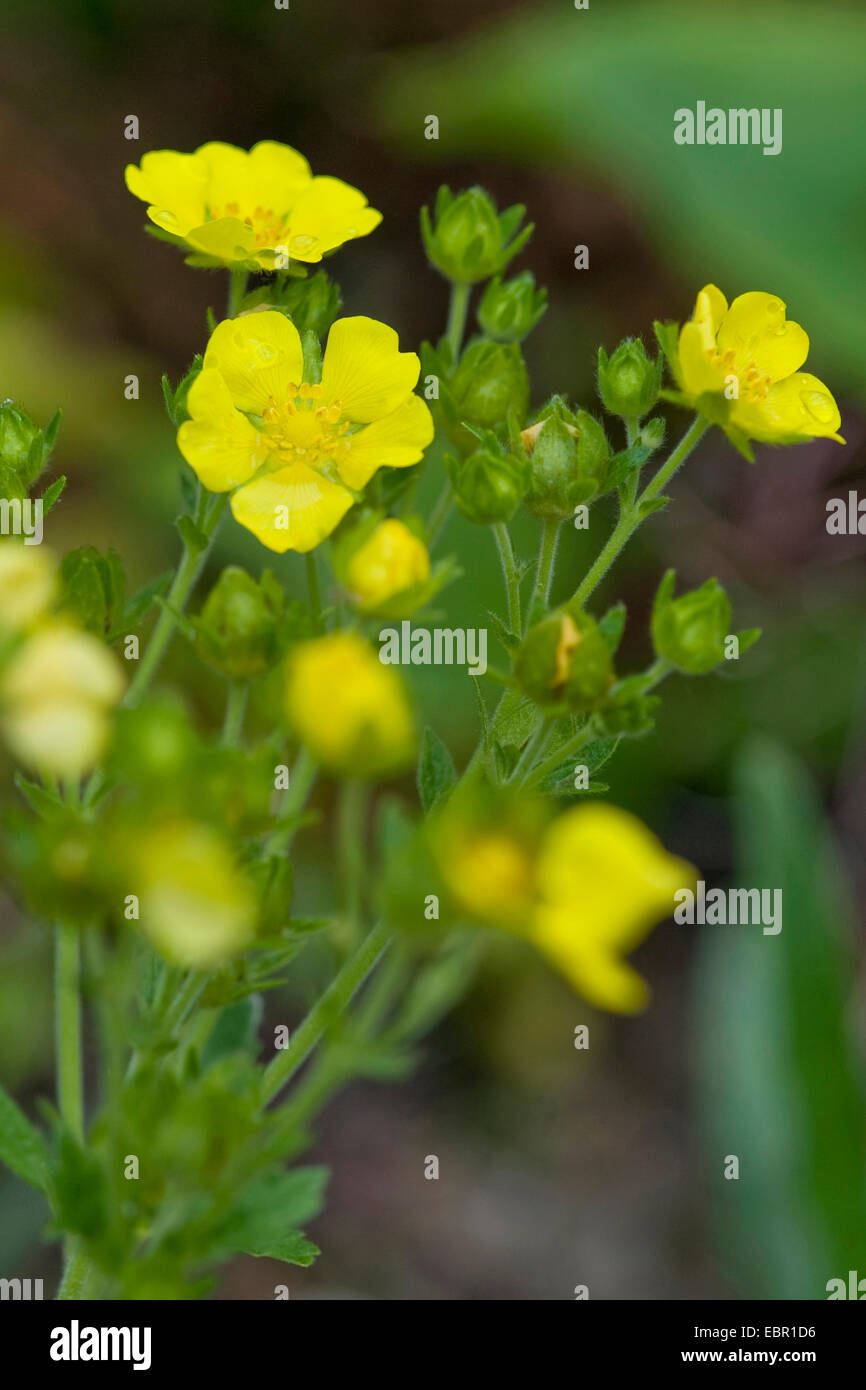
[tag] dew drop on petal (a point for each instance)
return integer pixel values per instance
(819, 406)
(303, 243)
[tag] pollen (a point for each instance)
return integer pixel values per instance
(301, 431)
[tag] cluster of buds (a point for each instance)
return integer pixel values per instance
(24, 449)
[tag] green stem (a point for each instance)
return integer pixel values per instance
(237, 290)
(236, 704)
(67, 1032)
(329, 1007)
(510, 572)
(192, 561)
(301, 779)
(544, 572)
(457, 310)
(350, 831)
(76, 1272)
(535, 746)
(550, 764)
(439, 514)
(632, 516)
(314, 593)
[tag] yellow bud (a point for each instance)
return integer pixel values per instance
(196, 906)
(389, 562)
(55, 696)
(28, 585)
(351, 711)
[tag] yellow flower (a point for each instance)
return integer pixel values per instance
(739, 366)
(28, 585)
(55, 696)
(391, 561)
(350, 710)
(253, 210)
(603, 881)
(196, 906)
(490, 874)
(295, 456)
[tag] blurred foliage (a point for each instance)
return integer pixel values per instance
(598, 89)
(780, 1082)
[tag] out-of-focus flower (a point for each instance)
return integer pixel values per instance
(604, 880)
(350, 710)
(584, 887)
(738, 365)
(195, 904)
(248, 209)
(28, 585)
(55, 696)
(388, 563)
(295, 456)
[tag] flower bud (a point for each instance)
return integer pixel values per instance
(690, 631)
(389, 562)
(569, 457)
(490, 381)
(28, 585)
(509, 311)
(652, 436)
(470, 241)
(488, 486)
(629, 382)
(24, 448)
(564, 659)
(350, 710)
(240, 624)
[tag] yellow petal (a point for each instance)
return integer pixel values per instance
(258, 356)
(28, 584)
(328, 213)
(278, 174)
(219, 443)
(755, 327)
(61, 663)
(699, 373)
(395, 441)
(601, 977)
(225, 239)
(710, 308)
(364, 370)
(611, 874)
(176, 186)
(294, 508)
(799, 408)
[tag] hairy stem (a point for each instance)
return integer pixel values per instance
(510, 573)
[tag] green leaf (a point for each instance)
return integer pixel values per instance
(780, 1076)
(436, 771)
(272, 1206)
(41, 801)
(194, 539)
(234, 1030)
(53, 493)
(293, 1249)
(22, 1147)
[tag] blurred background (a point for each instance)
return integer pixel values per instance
(557, 1167)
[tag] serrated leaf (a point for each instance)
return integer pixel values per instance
(293, 1249)
(22, 1148)
(436, 772)
(41, 801)
(510, 640)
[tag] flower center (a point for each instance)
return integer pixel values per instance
(299, 431)
(268, 227)
(753, 384)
